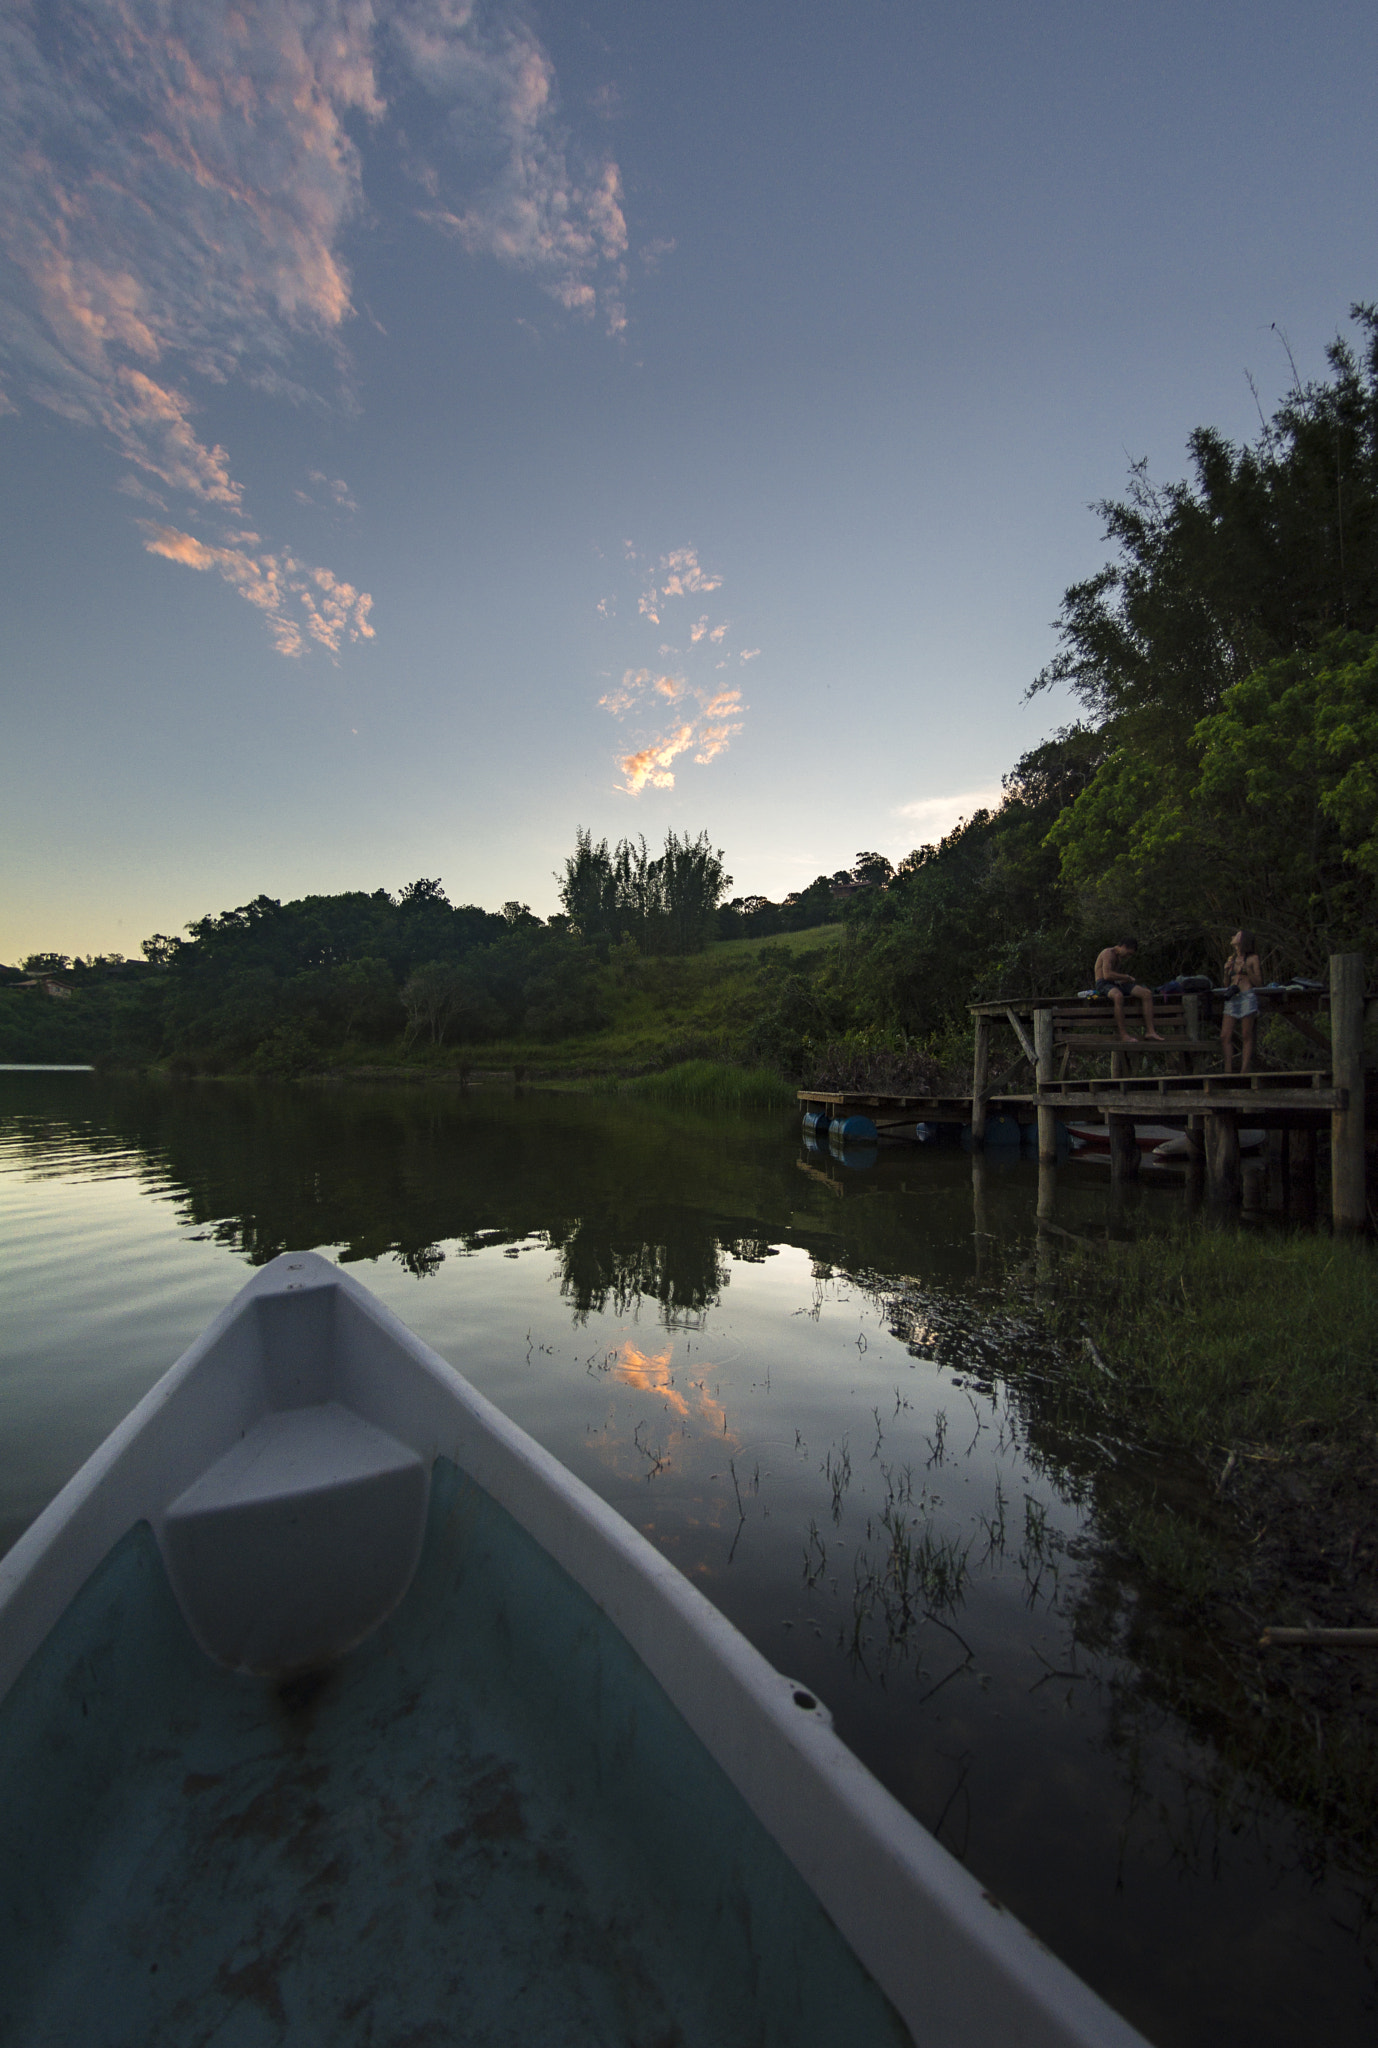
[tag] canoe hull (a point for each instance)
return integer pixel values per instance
(934, 1953)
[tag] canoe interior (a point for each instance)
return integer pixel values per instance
(486, 1824)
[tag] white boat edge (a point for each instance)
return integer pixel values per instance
(956, 1965)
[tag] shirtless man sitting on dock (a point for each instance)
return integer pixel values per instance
(1113, 982)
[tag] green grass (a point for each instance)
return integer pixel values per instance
(1214, 1337)
(704, 1083)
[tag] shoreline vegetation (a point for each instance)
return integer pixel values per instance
(1234, 1386)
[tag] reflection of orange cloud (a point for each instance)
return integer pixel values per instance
(649, 1373)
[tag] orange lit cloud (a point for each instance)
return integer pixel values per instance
(180, 182)
(718, 717)
(294, 599)
(652, 764)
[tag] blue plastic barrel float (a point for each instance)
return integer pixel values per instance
(857, 1158)
(1002, 1134)
(852, 1130)
(817, 1121)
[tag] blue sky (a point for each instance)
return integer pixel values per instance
(430, 427)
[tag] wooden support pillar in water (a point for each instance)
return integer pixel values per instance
(1044, 1076)
(1300, 1165)
(980, 1082)
(1196, 1157)
(1347, 1204)
(1124, 1148)
(1223, 1185)
(979, 1217)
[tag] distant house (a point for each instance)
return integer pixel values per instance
(47, 984)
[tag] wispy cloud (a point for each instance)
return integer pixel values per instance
(538, 207)
(935, 816)
(176, 183)
(327, 491)
(296, 600)
(712, 715)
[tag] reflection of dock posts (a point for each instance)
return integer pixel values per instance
(1124, 1146)
(1045, 1266)
(1043, 1078)
(1223, 1185)
(1347, 1206)
(980, 1082)
(1196, 1128)
(978, 1206)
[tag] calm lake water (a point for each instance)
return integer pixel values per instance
(801, 1378)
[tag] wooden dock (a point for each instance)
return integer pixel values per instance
(1054, 1035)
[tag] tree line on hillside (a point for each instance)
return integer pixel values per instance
(1223, 771)
(277, 987)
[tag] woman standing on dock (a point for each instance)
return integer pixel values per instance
(1242, 977)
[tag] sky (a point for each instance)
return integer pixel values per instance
(428, 428)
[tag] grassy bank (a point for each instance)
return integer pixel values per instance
(1232, 1379)
(1218, 1339)
(725, 1004)
(707, 1084)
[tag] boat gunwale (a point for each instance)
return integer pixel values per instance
(956, 1965)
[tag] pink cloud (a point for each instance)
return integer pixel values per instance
(180, 181)
(683, 574)
(331, 610)
(713, 740)
(652, 764)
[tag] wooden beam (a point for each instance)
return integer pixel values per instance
(998, 1086)
(1022, 1035)
(1124, 1148)
(1223, 1186)
(980, 1082)
(1043, 1073)
(1348, 1210)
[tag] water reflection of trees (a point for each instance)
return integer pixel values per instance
(683, 1267)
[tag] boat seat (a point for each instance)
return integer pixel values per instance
(297, 1542)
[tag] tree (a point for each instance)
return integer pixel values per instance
(1263, 553)
(873, 868)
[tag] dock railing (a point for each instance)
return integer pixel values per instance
(1055, 1034)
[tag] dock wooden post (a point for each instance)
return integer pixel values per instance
(1301, 1175)
(1044, 1077)
(1124, 1148)
(1347, 1206)
(980, 1082)
(1223, 1185)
